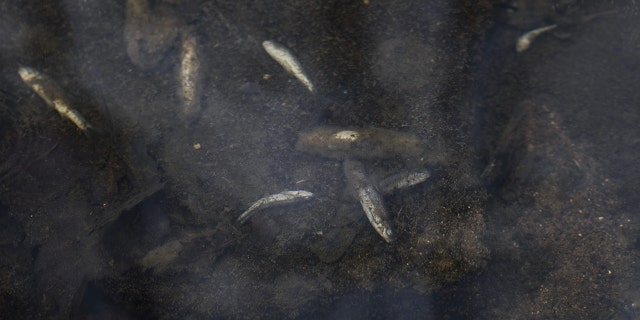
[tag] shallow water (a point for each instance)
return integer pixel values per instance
(530, 210)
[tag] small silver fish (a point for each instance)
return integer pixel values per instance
(402, 180)
(285, 197)
(525, 40)
(189, 74)
(47, 89)
(370, 199)
(285, 58)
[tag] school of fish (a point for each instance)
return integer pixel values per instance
(348, 145)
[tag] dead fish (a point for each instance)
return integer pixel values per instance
(47, 89)
(189, 74)
(402, 180)
(524, 41)
(285, 197)
(366, 143)
(285, 58)
(370, 198)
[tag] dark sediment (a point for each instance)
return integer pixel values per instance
(530, 211)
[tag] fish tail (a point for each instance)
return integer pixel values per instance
(92, 132)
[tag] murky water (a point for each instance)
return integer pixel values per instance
(529, 210)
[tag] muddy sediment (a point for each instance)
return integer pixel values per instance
(527, 212)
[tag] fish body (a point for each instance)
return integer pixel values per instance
(285, 197)
(364, 143)
(189, 74)
(402, 180)
(525, 40)
(63, 108)
(47, 89)
(370, 199)
(41, 84)
(288, 61)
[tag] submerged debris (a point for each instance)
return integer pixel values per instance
(368, 143)
(161, 257)
(370, 198)
(525, 40)
(288, 61)
(47, 89)
(285, 197)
